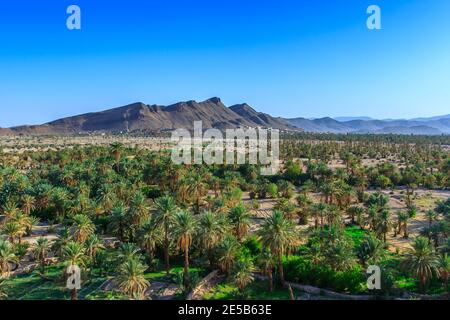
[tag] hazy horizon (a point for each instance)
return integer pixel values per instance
(301, 58)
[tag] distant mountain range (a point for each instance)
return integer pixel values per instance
(140, 117)
(423, 126)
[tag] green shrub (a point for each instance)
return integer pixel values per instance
(298, 269)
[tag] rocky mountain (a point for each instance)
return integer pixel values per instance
(425, 126)
(155, 118)
(140, 117)
(259, 118)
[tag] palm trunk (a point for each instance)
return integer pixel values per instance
(186, 266)
(270, 277)
(74, 295)
(281, 271)
(166, 249)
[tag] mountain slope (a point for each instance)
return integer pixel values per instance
(141, 117)
(320, 125)
(259, 118)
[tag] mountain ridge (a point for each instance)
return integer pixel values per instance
(141, 117)
(138, 116)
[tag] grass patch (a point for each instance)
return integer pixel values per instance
(256, 291)
(355, 233)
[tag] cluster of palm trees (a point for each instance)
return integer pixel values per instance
(195, 214)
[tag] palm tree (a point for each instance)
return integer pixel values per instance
(240, 219)
(138, 209)
(184, 228)
(13, 230)
(355, 213)
(25, 223)
(128, 251)
(211, 231)
(116, 151)
(106, 197)
(444, 269)
(31, 222)
(304, 203)
(227, 251)
(28, 204)
(266, 262)
(74, 256)
(421, 261)
(403, 219)
(372, 217)
(197, 189)
(384, 223)
(131, 278)
(93, 245)
(165, 209)
(318, 211)
(278, 234)
(7, 257)
(82, 228)
(119, 221)
(10, 209)
(40, 252)
(431, 216)
(64, 237)
(370, 250)
(150, 236)
(243, 274)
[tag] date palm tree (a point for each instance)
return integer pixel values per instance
(74, 255)
(197, 188)
(128, 251)
(184, 229)
(119, 221)
(421, 261)
(212, 229)
(431, 217)
(13, 230)
(93, 245)
(165, 210)
(7, 258)
(150, 237)
(40, 252)
(116, 152)
(10, 209)
(243, 274)
(403, 219)
(227, 251)
(25, 222)
(28, 204)
(370, 250)
(278, 234)
(82, 228)
(139, 209)
(384, 223)
(131, 279)
(240, 219)
(266, 262)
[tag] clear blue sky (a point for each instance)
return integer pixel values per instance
(289, 58)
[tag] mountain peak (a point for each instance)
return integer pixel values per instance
(214, 100)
